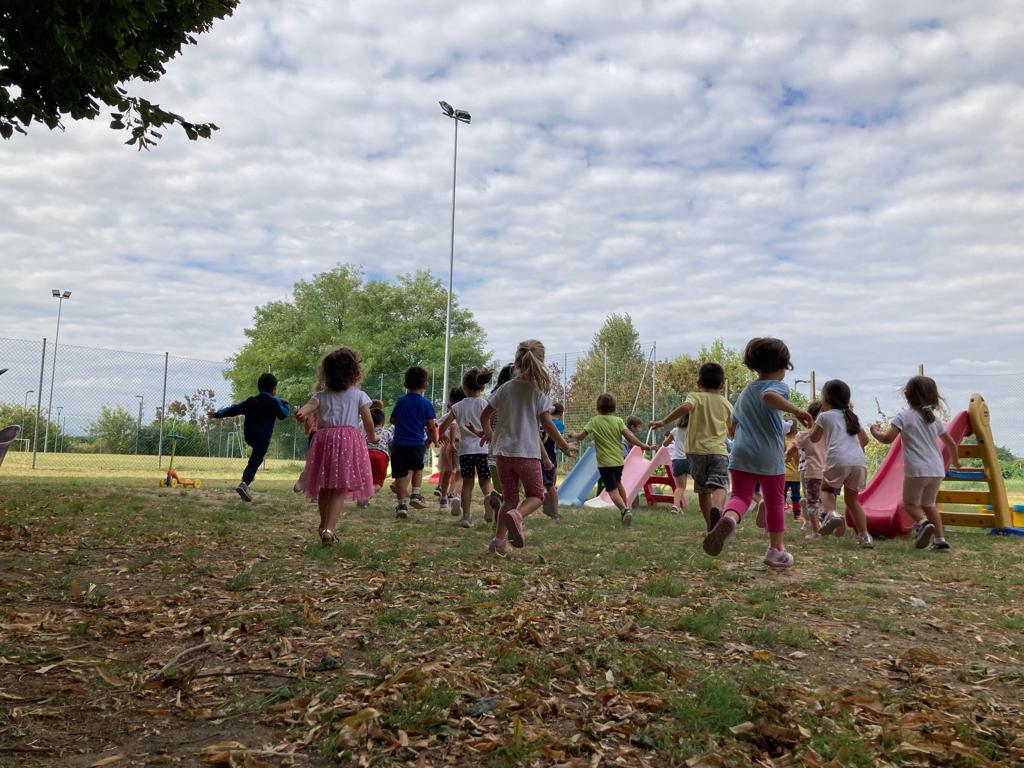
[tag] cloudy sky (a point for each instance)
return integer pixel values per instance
(849, 178)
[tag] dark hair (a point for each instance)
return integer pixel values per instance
(711, 376)
(475, 379)
(267, 382)
(814, 409)
(456, 395)
(339, 369)
(605, 404)
(837, 394)
(377, 414)
(416, 377)
(504, 375)
(631, 420)
(376, 404)
(922, 394)
(765, 355)
(557, 409)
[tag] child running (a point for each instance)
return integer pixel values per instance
(792, 468)
(379, 449)
(338, 464)
(706, 436)
(492, 502)
(519, 404)
(448, 455)
(472, 453)
(757, 450)
(812, 469)
(413, 417)
(924, 466)
(676, 442)
(845, 464)
(549, 469)
(260, 411)
(609, 431)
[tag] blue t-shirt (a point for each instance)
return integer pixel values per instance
(411, 413)
(759, 447)
(549, 442)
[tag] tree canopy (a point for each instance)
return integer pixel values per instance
(391, 324)
(66, 57)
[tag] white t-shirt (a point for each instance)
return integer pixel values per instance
(922, 456)
(341, 409)
(469, 410)
(519, 405)
(841, 448)
(677, 448)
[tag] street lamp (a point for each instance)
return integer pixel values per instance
(457, 116)
(138, 428)
(60, 296)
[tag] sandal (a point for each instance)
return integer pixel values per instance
(327, 537)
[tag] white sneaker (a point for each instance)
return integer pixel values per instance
(417, 502)
(456, 507)
(864, 541)
(830, 524)
(777, 559)
(924, 530)
(627, 516)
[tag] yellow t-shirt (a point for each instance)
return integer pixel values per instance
(607, 433)
(707, 429)
(793, 464)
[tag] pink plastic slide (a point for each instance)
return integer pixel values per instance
(883, 498)
(635, 472)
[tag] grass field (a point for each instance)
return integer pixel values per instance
(145, 626)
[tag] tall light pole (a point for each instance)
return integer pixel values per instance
(24, 413)
(60, 296)
(138, 428)
(457, 116)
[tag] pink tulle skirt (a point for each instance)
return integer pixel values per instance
(338, 459)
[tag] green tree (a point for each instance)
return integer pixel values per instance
(680, 374)
(12, 414)
(113, 431)
(392, 325)
(616, 357)
(66, 57)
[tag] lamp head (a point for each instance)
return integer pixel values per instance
(447, 108)
(56, 293)
(67, 294)
(462, 115)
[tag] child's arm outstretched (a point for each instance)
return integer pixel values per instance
(311, 406)
(951, 450)
(674, 416)
(443, 427)
(367, 419)
(792, 450)
(669, 438)
(862, 436)
(779, 403)
(431, 427)
(884, 435)
(578, 436)
(548, 423)
(235, 409)
(634, 440)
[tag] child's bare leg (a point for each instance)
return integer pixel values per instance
(402, 488)
(828, 498)
(323, 502)
(704, 500)
(617, 499)
(860, 522)
(417, 479)
(679, 494)
(914, 511)
(335, 504)
(717, 499)
(935, 517)
(530, 505)
(467, 495)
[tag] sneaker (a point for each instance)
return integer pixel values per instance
(466, 522)
(715, 541)
(830, 524)
(798, 519)
(864, 541)
(243, 491)
(401, 511)
(298, 487)
(923, 533)
(417, 502)
(675, 511)
(778, 559)
(490, 508)
(500, 547)
(760, 514)
(626, 515)
(713, 517)
(363, 503)
(516, 534)
(456, 507)
(940, 545)
(437, 492)
(327, 537)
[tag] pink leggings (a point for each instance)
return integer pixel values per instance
(774, 489)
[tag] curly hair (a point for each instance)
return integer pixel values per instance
(339, 369)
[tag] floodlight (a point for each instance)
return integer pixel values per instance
(56, 293)
(463, 115)
(447, 108)
(67, 294)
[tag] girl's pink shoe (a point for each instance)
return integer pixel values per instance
(516, 534)
(500, 547)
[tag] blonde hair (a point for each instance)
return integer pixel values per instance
(530, 366)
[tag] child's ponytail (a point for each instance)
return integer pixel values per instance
(529, 363)
(475, 379)
(837, 394)
(922, 394)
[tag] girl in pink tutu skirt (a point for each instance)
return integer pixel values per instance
(338, 464)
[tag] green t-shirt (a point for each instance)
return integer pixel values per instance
(707, 428)
(607, 432)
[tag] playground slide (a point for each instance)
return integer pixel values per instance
(578, 484)
(883, 498)
(634, 474)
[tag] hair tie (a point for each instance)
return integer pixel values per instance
(927, 408)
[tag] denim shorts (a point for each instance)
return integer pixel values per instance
(680, 467)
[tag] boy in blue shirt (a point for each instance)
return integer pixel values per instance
(551, 475)
(260, 411)
(413, 416)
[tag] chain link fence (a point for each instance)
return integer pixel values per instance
(93, 410)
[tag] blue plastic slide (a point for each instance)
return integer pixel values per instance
(578, 484)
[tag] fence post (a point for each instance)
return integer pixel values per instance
(654, 382)
(39, 405)
(382, 387)
(605, 354)
(565, 382)
(814, 387)
(920, 369)
(163, 411)
(432, 400)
